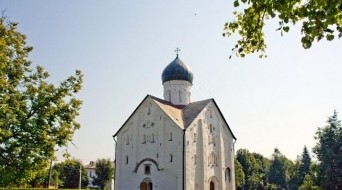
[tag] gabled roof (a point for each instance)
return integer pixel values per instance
(183, 116)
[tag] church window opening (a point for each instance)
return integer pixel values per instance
(149, 109)
(169, 95)
(228, 174)
(170, 137)
(210, 113)
(127, 140)
(171, 157)
(157, 155)
(180, 97)
(126, 159)
(143, 139)
(211, 128)
(195, 159)
(152, 124)
(152, 138)
(147, 169)
(195, 137)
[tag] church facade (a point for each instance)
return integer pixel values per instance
(174, 143)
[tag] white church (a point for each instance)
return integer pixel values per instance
(175, 143)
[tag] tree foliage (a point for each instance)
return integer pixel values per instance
(302, 168)
(318, 19)
(69, 174)
(254, 167)
(277, 174)
(35, 115)
(329, 153)
(104, 172)
(239, 175)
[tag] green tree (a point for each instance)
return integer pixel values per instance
(254, 167)
(301, 170)
(239, 175)
(318, 19)
(309, 183)
(69, 174)
(329, 153)
(35, 115)
(104, 173)
(279, 170)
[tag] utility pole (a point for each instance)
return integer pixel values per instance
(79, 186)
(50, 174)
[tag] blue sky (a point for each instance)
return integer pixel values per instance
(122, 48)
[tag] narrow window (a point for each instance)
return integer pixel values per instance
(152, 138)
(227, 175)
(127, 140)
(148, 110)
(210, 128)
(171, 157)
(147, 169)
(180, 97)
(195, 137)
(170, 139)
(169, 96)
(126, 160)
(143, 139)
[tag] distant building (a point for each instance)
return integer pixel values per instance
(90, 169)
(174, 143)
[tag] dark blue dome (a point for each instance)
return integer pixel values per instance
(177, 70)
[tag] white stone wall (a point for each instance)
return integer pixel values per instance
(177, 92)
(209, 152)
(146, 140)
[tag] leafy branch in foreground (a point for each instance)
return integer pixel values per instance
(318, 19)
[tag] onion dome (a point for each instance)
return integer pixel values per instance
(177, 70)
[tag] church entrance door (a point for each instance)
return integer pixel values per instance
(143, 186)
(212, 185)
